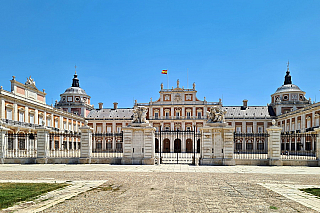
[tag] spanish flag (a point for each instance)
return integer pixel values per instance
(164, 72)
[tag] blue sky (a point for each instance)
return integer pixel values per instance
(235, 49)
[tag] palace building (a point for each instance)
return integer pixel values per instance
(24, 108)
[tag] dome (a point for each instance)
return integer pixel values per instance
(75, 90)
(288, 88)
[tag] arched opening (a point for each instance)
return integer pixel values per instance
(166, 145)
(21, 141)
(177, 145)
(198, 146)
(156, 145)
(189, 146)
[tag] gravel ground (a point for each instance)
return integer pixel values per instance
(175, 192)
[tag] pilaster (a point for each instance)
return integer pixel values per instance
(3, 142)
(86, 144)
(42, 144)
(138, 144)
(274, 145)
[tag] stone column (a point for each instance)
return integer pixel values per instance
(3, 142)
(274, 145)
(228, 149)
(43, 141)
(217, 144)
(138, 144)
(86, 144)
(317, 150)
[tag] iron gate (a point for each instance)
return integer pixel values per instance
(177, 146)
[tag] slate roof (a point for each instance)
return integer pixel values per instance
(250, 111)
(124, 114)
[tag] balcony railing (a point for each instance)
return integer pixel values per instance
(177, 118)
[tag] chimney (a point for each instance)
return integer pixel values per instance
(115, 105)
(100, 105)
(245, 104)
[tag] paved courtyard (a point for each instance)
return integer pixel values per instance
(176, 188)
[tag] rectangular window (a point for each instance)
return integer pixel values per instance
(69, 126)
(9, 114)
(292, 127)
(156, 115)
(167, 115)
(199, 115)
(108, 129)
(249, 129)
(98, 129)
(260, 129)
(298, 127)
(188, 128)
(64, 125)
(308, 123)
(288, 129)
(56, 125)
(118, 129)
(238, 129)
(48, 122)
(188, 115)
(317, 121)
(32, 118)
(40, 120)
(21, 116)
(177, 115)
(74, 128)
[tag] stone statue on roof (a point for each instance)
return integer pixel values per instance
(30, 81)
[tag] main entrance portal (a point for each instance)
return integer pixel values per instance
(177, 146)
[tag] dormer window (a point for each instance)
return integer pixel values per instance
(301, 97)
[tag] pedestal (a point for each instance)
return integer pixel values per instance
(217, 144)
(138, 144)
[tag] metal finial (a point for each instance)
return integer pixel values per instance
(75, 69)
(288, 66)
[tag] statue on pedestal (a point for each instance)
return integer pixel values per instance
(140, 114)
(216, 115)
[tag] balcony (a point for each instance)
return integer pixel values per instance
(177, 118)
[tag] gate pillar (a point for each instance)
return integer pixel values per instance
(86, 144)
(42, 144)
(274, 145)
(217, 144)
(3, 142)
(138, 144)
(317, 145)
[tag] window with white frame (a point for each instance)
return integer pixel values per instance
(48, 121)
(199, 115)
(299, 126)
(249, 129)
(21, 116)
(308, 122)
(69, 126)
(9, 114)
(188, 115)
(74, 127)
(98, 129)
(188, 128)
(260, 129)
(119, 129)
(108, 129)
(317, 121)
(238, 129)
(288, 127)
(56, 123)
(292, 127)
(167, 115)
(40, 120)
(156, 115)
(177, 115)
(32, 118)
(64, 125)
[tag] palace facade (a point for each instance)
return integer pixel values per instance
(24, 108)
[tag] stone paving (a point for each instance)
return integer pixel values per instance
(177, 188)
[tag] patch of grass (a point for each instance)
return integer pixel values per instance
(314, 191)
(273, 207)
(111, 187)
(11, 193)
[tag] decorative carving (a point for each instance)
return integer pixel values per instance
(216, 114)
(140, 114)
(30, 81)
(177, 97)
